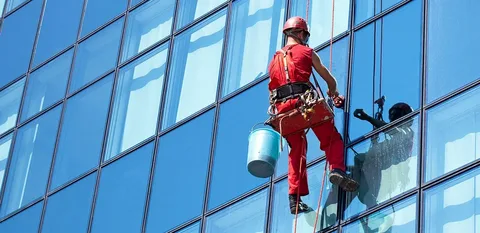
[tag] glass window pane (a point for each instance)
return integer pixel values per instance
(99, 12)
(365, 9)
(47, 85)
(5, 143)
(255, 35)
(448, 148)
(16, 41)
(147, 25)
(11, 4)
(385, 166)
(10, 99)
(69, 209)
(283, 221)
(81, 138)
(195, 228)
(31, 159)
(378, 50)
(453, 205)
(320, 18)
(96, 56)
(244, 216)
(59, 28)
(451, 67)
(25, 222)
(135, 2)
(2, 5)
(122, 192)
(137, 101)
(231, 147)
(194, 73)
(192, 10)
(191, 174)
(398, 217)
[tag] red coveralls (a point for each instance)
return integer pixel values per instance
(300, 71)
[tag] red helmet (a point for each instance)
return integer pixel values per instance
(297, 23)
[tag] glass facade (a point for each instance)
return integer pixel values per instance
(133, 116)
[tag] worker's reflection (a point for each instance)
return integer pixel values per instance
(380, 156)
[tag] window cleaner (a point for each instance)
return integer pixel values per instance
(295, 106)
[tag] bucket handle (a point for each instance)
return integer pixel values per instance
(281, 138)
(257, 125)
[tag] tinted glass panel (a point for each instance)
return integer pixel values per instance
(5, 143)
(231, 147)
(13, 3)
(283, 220)
(16, 41)
(365, 9)
(122, 191)
(47, 85)
(25, 222)
(2, 4)
(320, 18)
(451, 67)
(9, 104)
(378, 50)
(384, 165)
(97, 55)
(396, 218)
(99, 12)
(82, 132)
(195, 228)
(59, 29)
(453, 206)
(137, 101)
(194, 73)
(69, 209)
(147, 25)
(247, 215)
(191, 10)
(193, 159)
(447, 147)
(30, 166)
(255, 35)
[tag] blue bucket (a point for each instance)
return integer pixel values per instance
(263, 152)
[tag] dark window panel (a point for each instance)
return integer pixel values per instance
(69, 209)
(122, 192)
(255, 35)
(47, 85)
(5, 144)
(283, 220)
(398, 63)
(59, 28)
(25, 222)
(16, 41)
(452, 206)
(230, 155)
(365, 9)
(339, 71)
(398, 217)
(194, 71)
(453, 48)
(96, 56)
(137, 101)
(10, 99)
(80, 142)
(147, 25)
(31, 159)
(190, 10)
(384, 165)
(320, 18)
(453, 134)
(247, 215)
(189, 148)
(99, 12)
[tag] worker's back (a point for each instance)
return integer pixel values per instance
(299, 61)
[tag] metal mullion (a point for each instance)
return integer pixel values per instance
(380, 15)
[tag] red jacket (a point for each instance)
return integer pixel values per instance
(299, 59)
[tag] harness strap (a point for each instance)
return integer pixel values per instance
(285, 66)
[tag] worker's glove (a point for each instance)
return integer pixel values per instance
(360, 114)
(339, 101)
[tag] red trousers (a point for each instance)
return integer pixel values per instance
(330, 141)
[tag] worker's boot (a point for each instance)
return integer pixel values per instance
(340, 178)
(302, 207)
